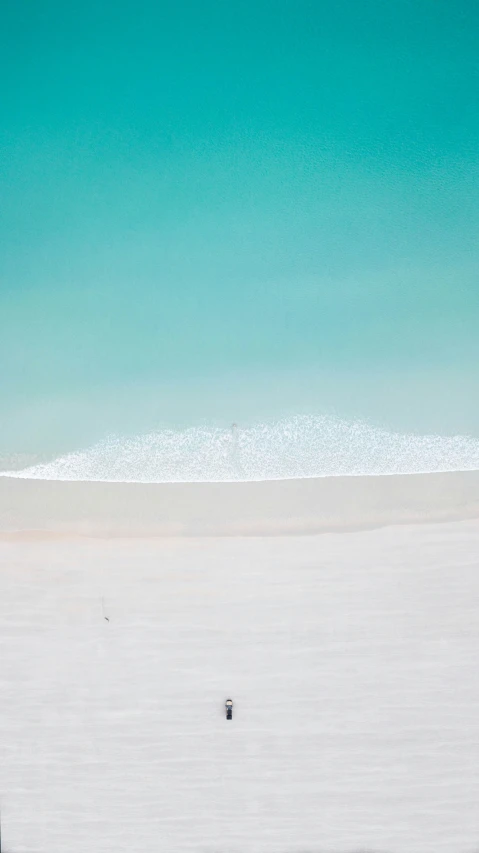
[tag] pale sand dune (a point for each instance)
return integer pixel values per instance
(352, 661)
(255, 508)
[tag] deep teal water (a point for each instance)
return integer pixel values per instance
(216, 213)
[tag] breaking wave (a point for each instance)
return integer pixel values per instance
(299, 447)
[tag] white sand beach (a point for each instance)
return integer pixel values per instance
(351, 656)
(251, 508)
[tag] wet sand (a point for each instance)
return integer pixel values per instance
(37, 507)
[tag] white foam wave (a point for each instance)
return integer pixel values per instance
(299, 447)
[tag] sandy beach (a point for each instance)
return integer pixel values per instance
(351, 657)
(247, 509)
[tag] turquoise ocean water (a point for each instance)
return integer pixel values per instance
(238, 240)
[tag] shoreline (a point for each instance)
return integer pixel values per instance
(46, 508)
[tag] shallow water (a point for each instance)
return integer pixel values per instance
(252, 219)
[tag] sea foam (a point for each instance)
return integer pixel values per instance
(298, 447)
